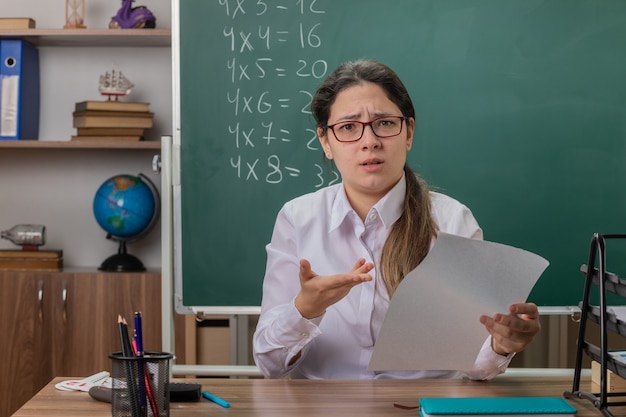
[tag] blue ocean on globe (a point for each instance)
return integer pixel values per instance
(124, 206)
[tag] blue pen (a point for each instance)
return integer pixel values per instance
(140, 364)
(216, 400)
(138, 333)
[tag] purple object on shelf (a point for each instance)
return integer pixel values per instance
(128, 17)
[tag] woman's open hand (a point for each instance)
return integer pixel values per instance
(317, 292)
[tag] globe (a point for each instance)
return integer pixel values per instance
(127, 207)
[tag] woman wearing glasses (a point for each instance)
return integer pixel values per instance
(337, 255)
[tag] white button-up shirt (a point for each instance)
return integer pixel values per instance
(323, 228)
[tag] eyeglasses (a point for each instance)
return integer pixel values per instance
(352, 130)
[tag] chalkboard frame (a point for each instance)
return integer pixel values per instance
(574, 78)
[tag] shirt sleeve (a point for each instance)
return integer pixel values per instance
(455, 218)
(282, 333)
(488, 363)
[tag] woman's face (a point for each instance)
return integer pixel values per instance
(370, 166)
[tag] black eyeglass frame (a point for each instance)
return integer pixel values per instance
(365, 124)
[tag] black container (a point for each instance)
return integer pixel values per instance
(140, 384)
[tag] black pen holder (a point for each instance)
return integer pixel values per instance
(140, 385)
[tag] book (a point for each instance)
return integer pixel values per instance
(30, 254)
(109, 131)
(16, 23)
(112, 121)
(25, 260)
(10, 264)
(112, 105)
(106, 138)
(495, 406)
(615, 383)
(111, 113)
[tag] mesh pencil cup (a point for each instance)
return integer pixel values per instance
(140, 385)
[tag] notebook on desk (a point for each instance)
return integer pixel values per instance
(495, 406)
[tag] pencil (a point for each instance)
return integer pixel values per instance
(123, 336)
(153, 403)
(127, 349)
(127, 352)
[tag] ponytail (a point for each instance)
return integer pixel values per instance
(411, 235)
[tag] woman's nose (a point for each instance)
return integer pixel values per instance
(369, 139)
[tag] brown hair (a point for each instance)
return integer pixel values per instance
(411, 235)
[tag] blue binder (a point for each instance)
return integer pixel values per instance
(19, 90)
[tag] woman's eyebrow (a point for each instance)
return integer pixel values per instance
(356, 116)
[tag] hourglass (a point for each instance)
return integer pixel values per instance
(74, 14)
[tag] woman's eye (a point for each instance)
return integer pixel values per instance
(347, 126)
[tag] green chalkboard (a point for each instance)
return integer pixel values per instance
(521, 115)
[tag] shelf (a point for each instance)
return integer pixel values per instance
(613, 283)
(614, 362)
(91, 37)
(608, 319)
(38, 144)
(613, 323)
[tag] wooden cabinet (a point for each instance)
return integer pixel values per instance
(65, 323)
(87, 319)
(25, 366)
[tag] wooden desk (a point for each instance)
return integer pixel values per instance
(306, 398)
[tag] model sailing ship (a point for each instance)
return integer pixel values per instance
(114, 84)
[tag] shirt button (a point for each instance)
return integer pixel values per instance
(304, 335)
(373, 216)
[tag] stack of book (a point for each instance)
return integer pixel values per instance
(17, 23)
(615, 383)
(111, 120)
(31, 260)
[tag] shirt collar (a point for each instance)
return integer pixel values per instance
(389, 208)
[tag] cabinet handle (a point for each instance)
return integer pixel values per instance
(40, 301)
(64, 299)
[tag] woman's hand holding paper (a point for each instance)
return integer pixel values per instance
(514, 331)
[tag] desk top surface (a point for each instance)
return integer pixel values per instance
(308, 398)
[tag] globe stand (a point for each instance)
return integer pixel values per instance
(122, 261)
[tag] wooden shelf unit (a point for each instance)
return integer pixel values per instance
(87, 38)
(91, 37)
(39, 144)
(64, 322)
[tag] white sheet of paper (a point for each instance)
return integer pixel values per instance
(619, 311)
(433, 319)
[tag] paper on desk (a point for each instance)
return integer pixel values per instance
(433, 319)
(618, 311)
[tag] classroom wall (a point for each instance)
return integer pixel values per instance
(55, 187)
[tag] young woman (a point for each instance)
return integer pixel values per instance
(337, 255)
